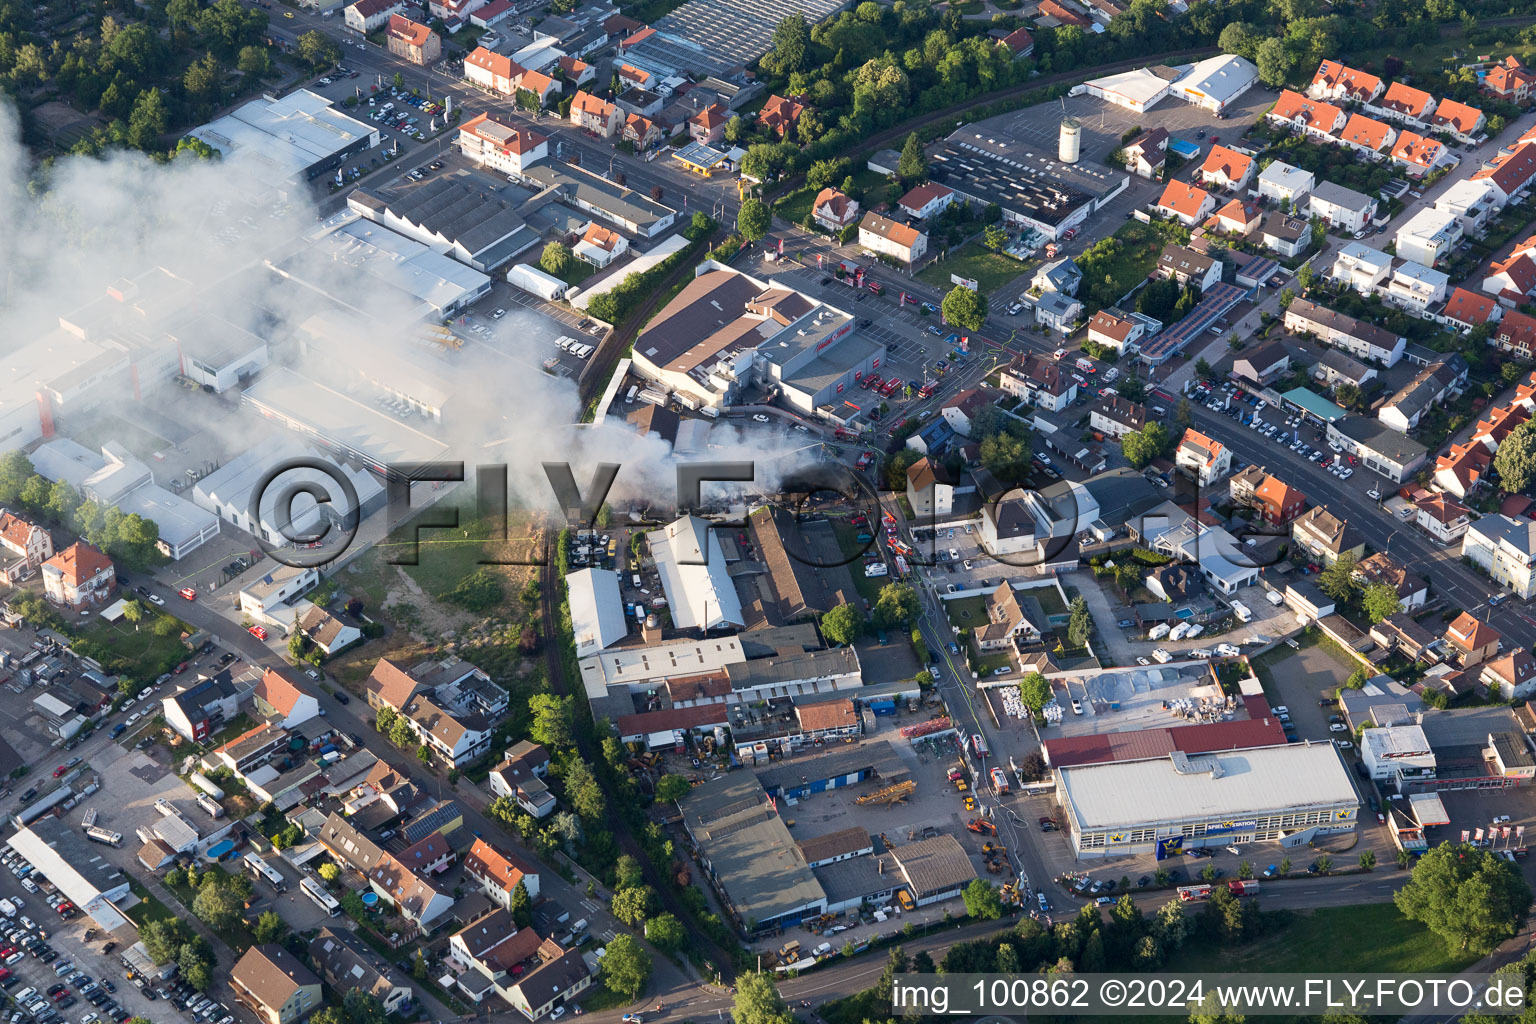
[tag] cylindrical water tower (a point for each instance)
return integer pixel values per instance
(1071, 140)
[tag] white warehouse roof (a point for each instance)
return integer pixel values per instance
(71, 862)
(284, 137)
(1222, 78)
(1140, 87)
(1256, 780)
(597, 614)
(692, 566)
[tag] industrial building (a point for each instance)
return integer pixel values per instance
(727, 331)
(636, 213)
(292, 139)
(1212, 84)
(1034, 190)
(597, 613)
(217, 353)
(397, 279)
(1289, 793)
(453, 215)
(62, 854)
(693, 574)
(226, 492)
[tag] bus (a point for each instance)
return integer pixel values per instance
(104, 835)
(322, 899)
(261, 869)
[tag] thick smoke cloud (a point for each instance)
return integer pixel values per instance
(74, 227)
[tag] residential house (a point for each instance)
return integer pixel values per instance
(1516, 333)
(595, 115)
(500, 145)
(1064, 15)
(780, 114)
(1406, 104)
(79, 577)
(412, 41)
(1464, 310)
(1462, 468)
(1505, 548)
(1360, 267)
(892, 238)
(1020, 43)
(1415, 287)
(1312, 117)
(1146, 154)
(1428, 236)
(1369, 136)
(833, 210)
(1175, 582)
(1470, 640)
(1204, 458)
(28, 545)
(1326, 537)
(928, 490)
(413, 893)
(578, 72)
(492, 71)
(1115, 416)
(326, 631)
(521, 776)
(1281, 183)
(1362, 340)
(1187, 267)
(1401, 634)
(1284, 234)
(959, 410)
(1242, 484)
(1412, 591)
(631, 77)
(543, 87)
(1335, 81)
(1277, 502)
(1110, 328)
(1461, 122)
(1061, 275)
(1263, 364)
(498, 873)
(457, 739)
(347, 963)
(1226, 168)
(1342, 209)
(1418, 155)
(488, 950)
(1429, 386)
(282, 701)
(1510, 80)
(1238, 217)
(1512, 280)
(1500, 422)
(1040, 381)
(1188, 204)
(1334, 367)
(1473, 202)
(390, 686)
(926, 200)
(1512, 677)
(274, 984)
(553, 984)
(1006, 622)
(1512, 170)
(368, 16)
(1444, 518)
(200, 709)
(708, 125)
(1058, 312)
(600, 246)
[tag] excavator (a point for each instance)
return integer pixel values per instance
(981, 826)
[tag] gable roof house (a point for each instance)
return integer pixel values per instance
(1115, 416)
(281, 699)
(1512, 677)
(1461, 469)
(1237, 217)
(926, 200)
(390, 686)
(489, 949)
(1472, 641)
(1510, 80)
(275, 985)
(498, 873)
(1429, 387)
(1188, 204)
(1444, 518)
(1006, 621)
(1335, 81)
(780, 114)
(833, 210)
(1411, 590)
(560, 976)
(1114, 329)
(326, 631)
(24, 539)
(1512, 280)
(1147, 154)
(1277, 502)
(1516, 333)
(1464, 310)
(417, 898)
(1204, 458)
(79, 577)
(347, 963)
(521, 775)
(1313, 117)
(1325, 536)
(1020, 43)
(457, 739)
(1286, 235)
(1406, 104)
(1461, 122)
(892, 238)
(1039, 381)
(1368, 136)
(1226, 168)
(1418, 155)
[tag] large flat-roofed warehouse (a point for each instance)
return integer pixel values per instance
(1031, 186)
(717, 37)
(295, 138)
(727, 330)
(66, 858)
(757, 868)
(1289, 793)
(452, 214)
(599, 196)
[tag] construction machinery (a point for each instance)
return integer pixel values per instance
(889, 794)
(981, 826)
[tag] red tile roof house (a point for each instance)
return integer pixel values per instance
(1471, 640)
(1462, 122)
(1021, 44)
(926, 200)
(1226, 168)
(708, 125)
(1512, 171)
(78, 577)
(1186, 203)
(1418, 155)
(1462, 469)
(1444, 518)
(1238, 217)
(497, 873)
(25, 540)
(1368, 135)
(1405, 103)
(492, 71)
(415, 42)
(779, 115)
(1516, 333)
(1313, 117)
(1512, 280)
(833, 210)
(1277, 502)
(1335, 81)
(1465, 310)
(1510, 80)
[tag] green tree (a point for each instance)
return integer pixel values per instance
(364, 1007)
(1202, 368)
(1079, 622)
(556, 258)
(994, 237)
(625, 967)
(329, 873)
(1035, 691)
(385, 719)
(552, 718)
(520, 905)
(255, 60)
(1467, 896)
(1144, 445)
(965, 308)
(757, 1001)
(1516, 458)
(163, 938)
(633, 905)
(1208, 1009)
(1380, 601)
(671, 788)
(1337, 580)
(270, 927)
(753, 220)
(1368, 860)
(897, 605)
(583, 791)
(401, 734)
(791, 38)
(216, 904)
(666, 933)
(318, 50)
(148, 121)
(1006, 457)
(1273, 61)
(1183, 415)
(912, 167)
(842, 624)
(981, 900)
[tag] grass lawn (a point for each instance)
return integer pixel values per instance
(600, 997)
(1382, 941)
(446, 556)
(990, 270)
(1125, 258)
(796, 206)
(576, 272)
(966, 612)
(1049, 600)
(148, 908)
(140, 653)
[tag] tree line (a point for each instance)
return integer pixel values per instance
(128, 538)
